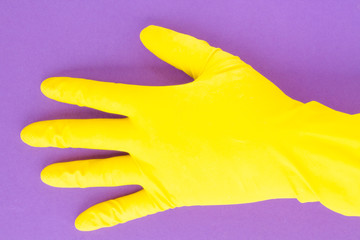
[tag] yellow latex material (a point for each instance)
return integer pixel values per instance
(228, 137)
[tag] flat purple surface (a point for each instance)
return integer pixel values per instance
(310, 49)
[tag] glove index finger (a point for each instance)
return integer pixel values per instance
(109, 97)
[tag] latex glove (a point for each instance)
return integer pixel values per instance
(229, 137)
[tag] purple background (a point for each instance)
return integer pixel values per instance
(310, 49)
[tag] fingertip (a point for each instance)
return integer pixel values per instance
(83, 223)
(46, 83)
(145, 31)
(79, 224)
(27, 134)
(51, 87)
(24, 135)
(45, 175)
(35, 134)
(56, 175)
(149, 27)
(149, 32)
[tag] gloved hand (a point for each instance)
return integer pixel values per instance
(229, 137)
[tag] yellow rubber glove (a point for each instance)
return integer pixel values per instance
(229, 137)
